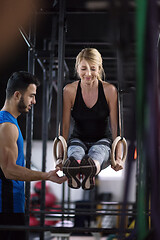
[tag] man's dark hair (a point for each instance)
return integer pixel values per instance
(19, 81)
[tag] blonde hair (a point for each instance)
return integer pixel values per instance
(92, 55)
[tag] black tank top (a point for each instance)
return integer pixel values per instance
(91, 124)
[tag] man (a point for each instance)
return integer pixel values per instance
(20, 95)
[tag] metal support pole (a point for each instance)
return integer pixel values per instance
(120, 40)
(61, 53)
(52, 67)
(44, 145)
(29, 121)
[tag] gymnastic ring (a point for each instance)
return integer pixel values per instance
(64, 145)
(114, 145)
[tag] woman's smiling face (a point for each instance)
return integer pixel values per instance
(88, 71)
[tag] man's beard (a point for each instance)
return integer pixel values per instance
(21, 106)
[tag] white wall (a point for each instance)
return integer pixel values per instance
(114, 182)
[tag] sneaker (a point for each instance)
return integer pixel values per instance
(88, 171)
(71, 169)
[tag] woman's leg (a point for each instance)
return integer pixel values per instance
(97, 159)
(100, 153)
(71, 168)
(76, 149)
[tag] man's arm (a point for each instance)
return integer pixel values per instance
(8, 158)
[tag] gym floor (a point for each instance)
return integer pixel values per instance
(47, 236)
(84, 238)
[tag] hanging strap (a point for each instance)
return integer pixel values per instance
(119, 139)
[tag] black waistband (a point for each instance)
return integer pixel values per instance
(87, 145)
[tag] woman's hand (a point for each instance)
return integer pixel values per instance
(59, 163)
(119, 165)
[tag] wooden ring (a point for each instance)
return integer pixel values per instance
(114, 145)
(64, 145)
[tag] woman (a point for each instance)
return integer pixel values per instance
(91, 102)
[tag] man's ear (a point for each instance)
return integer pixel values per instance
(17, 95)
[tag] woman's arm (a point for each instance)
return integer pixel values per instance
(67, 105)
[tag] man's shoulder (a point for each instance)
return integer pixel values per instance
(8, 127)
(7, 117)
(8, 135)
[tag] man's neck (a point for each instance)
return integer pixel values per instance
(11, 109)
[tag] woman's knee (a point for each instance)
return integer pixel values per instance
(76, 151)
(100, 153)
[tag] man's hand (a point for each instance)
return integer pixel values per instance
(53, 176)
(119, 165)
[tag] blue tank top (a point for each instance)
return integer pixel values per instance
(91, 124)
(12, 196)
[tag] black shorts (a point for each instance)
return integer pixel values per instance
(12, 219)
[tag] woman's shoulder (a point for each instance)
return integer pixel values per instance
(109, 88)
(70, 88)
